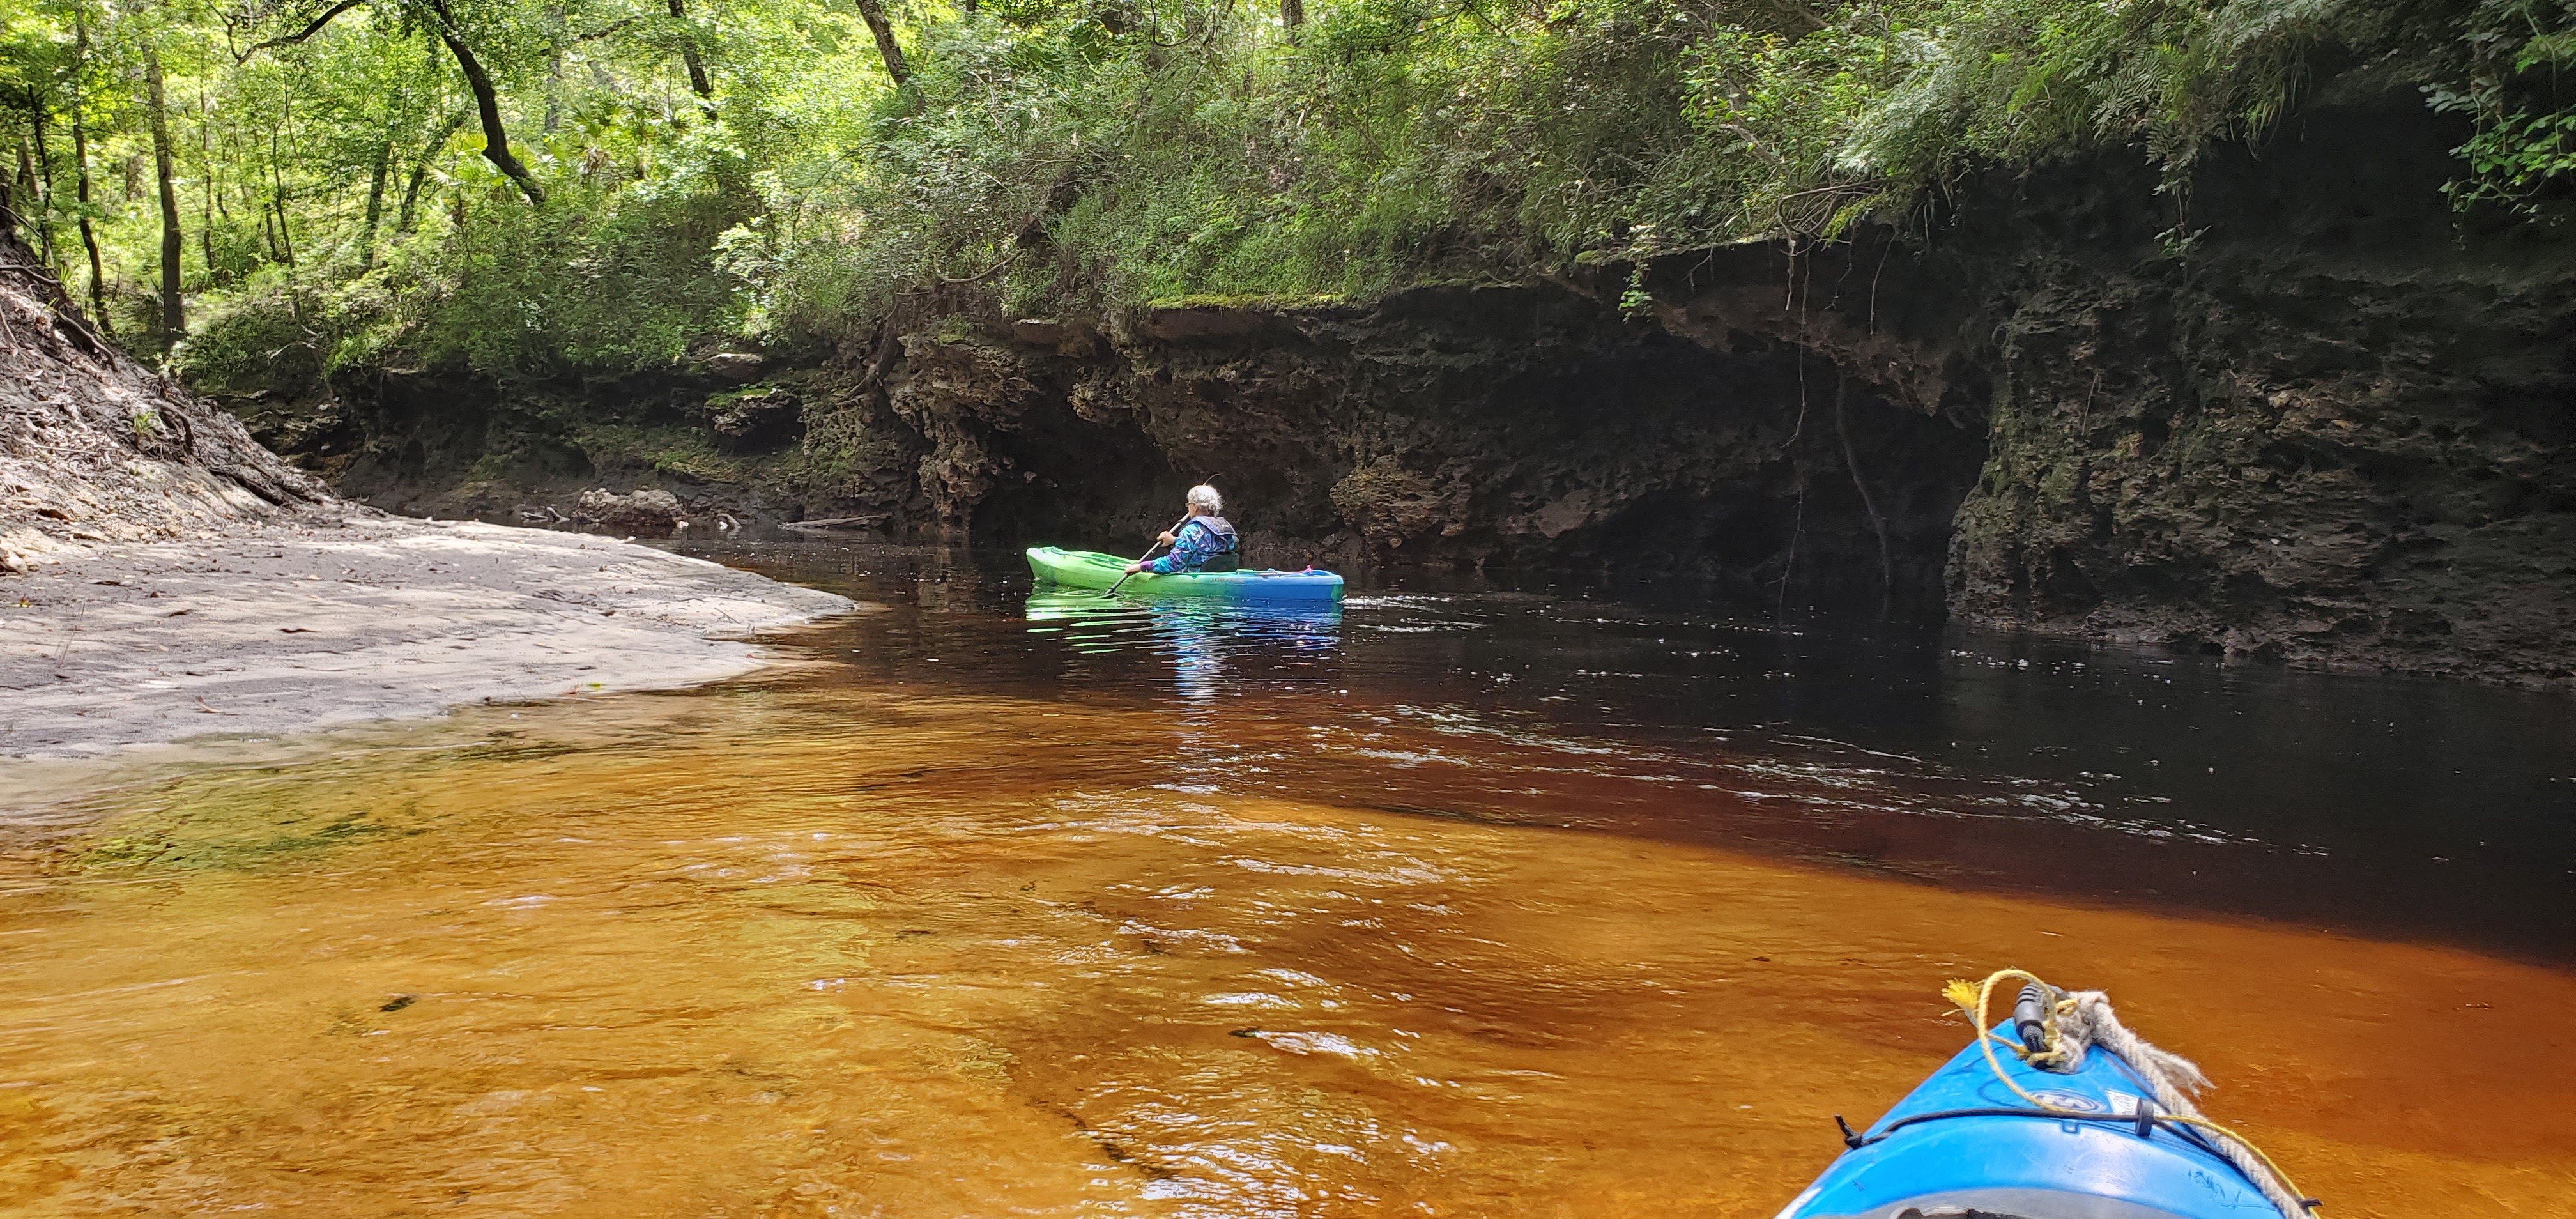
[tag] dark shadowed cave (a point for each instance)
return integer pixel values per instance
(1522, 428)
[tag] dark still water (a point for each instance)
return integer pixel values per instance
(2389, 807)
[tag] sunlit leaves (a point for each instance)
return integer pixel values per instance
(2524, 151)
(1080, 155)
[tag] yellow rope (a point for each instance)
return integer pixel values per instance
(1972, 1002)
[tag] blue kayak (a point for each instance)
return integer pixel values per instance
(1091, 569)
(1937, 1154)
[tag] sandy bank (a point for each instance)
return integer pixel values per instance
(287, 626)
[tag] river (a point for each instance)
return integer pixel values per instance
(1467, 900)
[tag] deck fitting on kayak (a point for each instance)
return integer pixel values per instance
(2059, 1130)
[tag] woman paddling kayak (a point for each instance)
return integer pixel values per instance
(1206, 561)
(1202, 542)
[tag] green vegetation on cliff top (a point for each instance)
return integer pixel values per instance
(301, 186)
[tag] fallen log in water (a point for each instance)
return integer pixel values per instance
(822, 524)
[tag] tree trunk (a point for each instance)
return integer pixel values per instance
(277, 196)
(1292, 13)
(420, 172)
(496, 138)
(554, 69)
(697, 64)
(26, 182)
(285, 236)
(375, 204)
(174, 317)
(43, 195)
(89, 236)
(213, 183)
(80, 172)
(873, 12)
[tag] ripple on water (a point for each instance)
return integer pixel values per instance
(1130, 912)
(665, 982)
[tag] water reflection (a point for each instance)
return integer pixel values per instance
(1197, 637)
(2391, 807)
(947, 578)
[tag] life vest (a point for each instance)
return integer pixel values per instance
(1230, 558)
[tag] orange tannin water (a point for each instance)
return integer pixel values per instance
(854, 942)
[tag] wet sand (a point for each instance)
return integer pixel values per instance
(288, 626)
(797, 950)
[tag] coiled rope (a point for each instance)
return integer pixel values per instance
(2075, 1021)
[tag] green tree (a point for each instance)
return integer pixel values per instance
(530, 188)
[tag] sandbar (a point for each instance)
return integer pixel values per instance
(344, 614)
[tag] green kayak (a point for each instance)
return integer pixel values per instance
(1092, 569)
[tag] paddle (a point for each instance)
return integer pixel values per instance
(1149, 553)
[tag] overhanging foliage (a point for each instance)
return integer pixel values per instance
(701, 171)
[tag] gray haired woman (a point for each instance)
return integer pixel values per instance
(1204, 542)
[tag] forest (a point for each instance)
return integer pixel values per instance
(533, 186)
